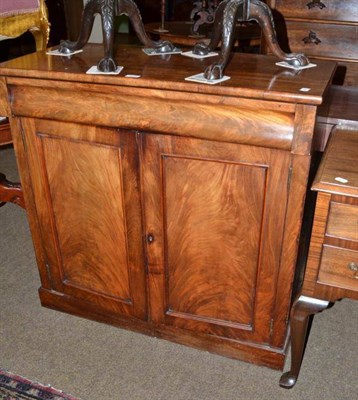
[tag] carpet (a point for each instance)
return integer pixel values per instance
(14, 387)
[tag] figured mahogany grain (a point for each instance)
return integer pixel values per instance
(206, 200)
(236, 123)
(164, 206)
(90, 218)
(214, 255)
(75, 200)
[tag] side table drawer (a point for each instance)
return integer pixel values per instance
(336, 267)
(335, 10)
(323, 40)
(343, 221)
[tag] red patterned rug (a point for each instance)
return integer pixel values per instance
(14, 387)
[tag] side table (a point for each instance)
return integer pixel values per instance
(332, 265)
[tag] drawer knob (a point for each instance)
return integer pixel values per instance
(316, 3)
(354, 267)
(312, 38)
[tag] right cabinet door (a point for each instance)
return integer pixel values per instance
(214, 220)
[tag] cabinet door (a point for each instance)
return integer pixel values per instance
(86, 192)
(214, 220)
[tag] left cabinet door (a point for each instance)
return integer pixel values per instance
(85, 185)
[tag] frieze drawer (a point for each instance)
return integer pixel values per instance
(323, 40)
(339, 267)
(343, 221)
(334, 10)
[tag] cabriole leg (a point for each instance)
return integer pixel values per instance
(302, 309)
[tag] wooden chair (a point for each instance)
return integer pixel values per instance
(16, 18)
(9, 192)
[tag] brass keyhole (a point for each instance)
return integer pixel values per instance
(150, 238)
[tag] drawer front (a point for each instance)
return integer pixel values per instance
(338, 267)
(343, 221)
(323, 40)
(334, 10)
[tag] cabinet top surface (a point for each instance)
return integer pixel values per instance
(338, 171)
(253, 76)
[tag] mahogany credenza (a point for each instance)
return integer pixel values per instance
(163, 206)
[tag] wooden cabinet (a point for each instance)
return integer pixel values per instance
(208, 206)
(163, 206)
(325, 29)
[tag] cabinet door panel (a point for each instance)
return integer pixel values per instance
(215, 214)
(203, 206)
(87, 197)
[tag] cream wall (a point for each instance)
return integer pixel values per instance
(96, 35)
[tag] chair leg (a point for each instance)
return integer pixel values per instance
(40, 39)
(41, 32)
(10, 192)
